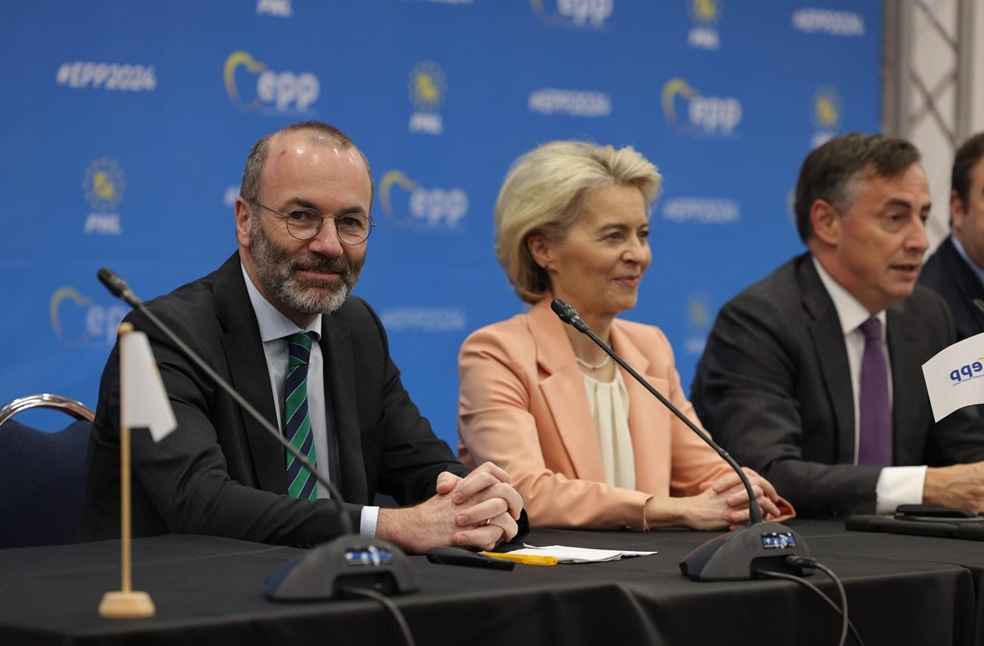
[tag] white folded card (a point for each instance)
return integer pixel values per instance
(955, 376)
(565, 554)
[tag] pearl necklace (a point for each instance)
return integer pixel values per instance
(593, 366)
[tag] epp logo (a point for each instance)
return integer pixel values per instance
(278, 91)
(582, 13)
(971, 370)
(430, 207)
(104, 184)
(708, 114)
(76, 320)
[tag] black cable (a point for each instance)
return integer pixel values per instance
(846, 623)
(840, 588)
(390, 606)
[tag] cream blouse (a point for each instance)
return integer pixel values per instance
(609, 404)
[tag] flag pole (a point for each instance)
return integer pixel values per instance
(125, 603)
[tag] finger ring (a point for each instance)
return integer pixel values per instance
(488, 521)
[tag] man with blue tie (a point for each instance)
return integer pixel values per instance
(278, 320)
(812, 376)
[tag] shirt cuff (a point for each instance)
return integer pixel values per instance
(368, 520)
(899, 486)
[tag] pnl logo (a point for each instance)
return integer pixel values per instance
(585, 14)
(704, 14)
(76, 320)
(428, 87)
(968, 371)
(251, 85)
(404, 200)
(687, 109)
(826, 115)
(699, 322)
(103, 187)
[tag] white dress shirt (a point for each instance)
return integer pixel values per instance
(896, 485)
(274, 328)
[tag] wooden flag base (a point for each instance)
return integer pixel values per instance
(126, 605)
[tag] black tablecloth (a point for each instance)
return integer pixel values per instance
(902, 590)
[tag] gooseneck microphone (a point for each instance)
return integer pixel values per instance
(569, 315)
(118, 288)
(732, 556)
(326, 570)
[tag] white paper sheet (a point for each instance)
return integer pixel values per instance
(565, 554)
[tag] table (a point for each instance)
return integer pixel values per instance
(902, 590)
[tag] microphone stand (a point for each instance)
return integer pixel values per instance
(327, 569)
(733, 556)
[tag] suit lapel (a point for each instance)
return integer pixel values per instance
(903, 338)
(563, 389)
(967, 282)
(831, 351)
(250, 376)
(336, 347)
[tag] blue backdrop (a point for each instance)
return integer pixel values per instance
(126, 126)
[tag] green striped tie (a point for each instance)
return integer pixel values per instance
(297, 422)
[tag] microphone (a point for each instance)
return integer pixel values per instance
(734, 556)
(327, 569)
(118, 287)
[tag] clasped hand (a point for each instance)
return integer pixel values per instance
(478, 510)
(725, 501)
(483, 505)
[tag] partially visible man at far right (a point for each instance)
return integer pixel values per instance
(812, 375)
(956, 270)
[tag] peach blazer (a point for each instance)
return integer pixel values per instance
(523, 406)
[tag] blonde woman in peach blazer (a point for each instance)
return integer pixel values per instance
(584, 444)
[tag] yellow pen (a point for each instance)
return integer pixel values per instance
(525, 559)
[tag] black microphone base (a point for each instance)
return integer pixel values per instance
(349, 561)
(736, 556)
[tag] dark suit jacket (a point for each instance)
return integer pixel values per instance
(220, 473)
(774, 387)
(949, 275)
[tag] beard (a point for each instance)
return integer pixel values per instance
(276, 270)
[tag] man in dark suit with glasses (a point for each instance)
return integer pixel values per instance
(278, 320)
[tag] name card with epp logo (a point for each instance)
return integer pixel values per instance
(955, 376)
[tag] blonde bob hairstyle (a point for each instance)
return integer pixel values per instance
(543, 193)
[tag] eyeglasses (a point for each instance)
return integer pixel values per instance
(304, 224)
